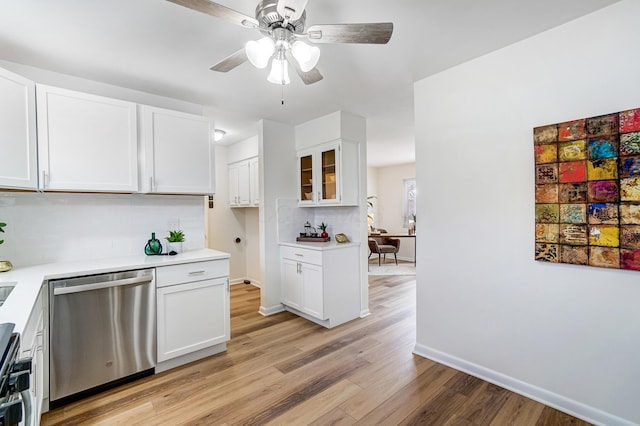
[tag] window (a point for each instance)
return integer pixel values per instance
(409, 202)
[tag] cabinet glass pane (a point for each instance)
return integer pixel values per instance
(329, 175)
(306, 178)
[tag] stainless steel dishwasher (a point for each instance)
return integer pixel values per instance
(102, 332)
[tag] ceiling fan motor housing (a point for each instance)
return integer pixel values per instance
(268, 17)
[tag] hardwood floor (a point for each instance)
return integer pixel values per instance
(284, 370)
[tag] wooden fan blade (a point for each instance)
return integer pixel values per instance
(309, 77)
(219, 11)
(291, 9)
(373, 33)
(231, 61)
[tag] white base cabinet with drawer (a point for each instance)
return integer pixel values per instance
(321, 283)
(192, 311)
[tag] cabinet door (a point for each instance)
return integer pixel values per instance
(312, 288)
(254, 182)
(234, 190)
(329, 167)
(179, 155)
(192, 316)
(86, 142)
(32, 346)
(243, 183)
(306, 193)
(18, 161)
(291, 281)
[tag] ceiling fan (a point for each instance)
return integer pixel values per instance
(282, 22)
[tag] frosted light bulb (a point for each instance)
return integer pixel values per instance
(259, 52)
(307, 56)
(279, 72)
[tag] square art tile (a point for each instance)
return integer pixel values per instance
(587, 194)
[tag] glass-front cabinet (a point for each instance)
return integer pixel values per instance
(328, 174)
(305, 165)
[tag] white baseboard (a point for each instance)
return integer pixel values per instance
(240, 280)
(266, 311)
(559, 402)
(365, 313)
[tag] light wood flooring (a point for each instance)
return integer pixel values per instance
(284, 370)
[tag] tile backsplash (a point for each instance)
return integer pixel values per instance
(52, 227)
(291, 220)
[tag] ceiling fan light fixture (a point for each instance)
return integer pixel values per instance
(259, 52)
(279, 72)
(307, 56)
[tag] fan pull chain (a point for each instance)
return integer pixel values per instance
(282, 95)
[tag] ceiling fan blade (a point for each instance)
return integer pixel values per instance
(219, 11)
(291, 9)
(373, 33)
(231, 61)
(309, 77)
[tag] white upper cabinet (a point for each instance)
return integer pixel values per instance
(18, 159)
(328, 174)
(254, 182)
(243, 183)
(86, 142)
(178, 152)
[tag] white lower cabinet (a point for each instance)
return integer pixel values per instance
(192, 310)
(321, 284)
(33, 346)
(302, 287)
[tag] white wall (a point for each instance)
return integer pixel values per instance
(389, 204)
(225, 224)
(51, 227)
(277, 163)
(567, 335)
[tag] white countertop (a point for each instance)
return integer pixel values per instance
(329, 245)
(17, 308)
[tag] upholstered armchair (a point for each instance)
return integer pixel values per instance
(384, 245)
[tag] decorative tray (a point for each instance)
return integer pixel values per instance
(313, 239)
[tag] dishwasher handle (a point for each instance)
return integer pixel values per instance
(99, 286)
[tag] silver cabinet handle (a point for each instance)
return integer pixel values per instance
(196, 272)
(299, 255)
(44, 179)
(99, 286)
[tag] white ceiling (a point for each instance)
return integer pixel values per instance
(165, 49)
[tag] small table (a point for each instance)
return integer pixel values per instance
(386, 235)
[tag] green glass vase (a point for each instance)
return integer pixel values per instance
(153, 246)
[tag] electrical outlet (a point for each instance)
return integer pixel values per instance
(173, 224)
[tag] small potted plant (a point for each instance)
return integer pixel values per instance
(175, 239)
(323, 227)
(5, 265)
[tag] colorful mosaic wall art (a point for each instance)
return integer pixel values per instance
(587, 176)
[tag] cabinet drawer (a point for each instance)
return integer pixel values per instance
(189, 272)
(301, 254)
